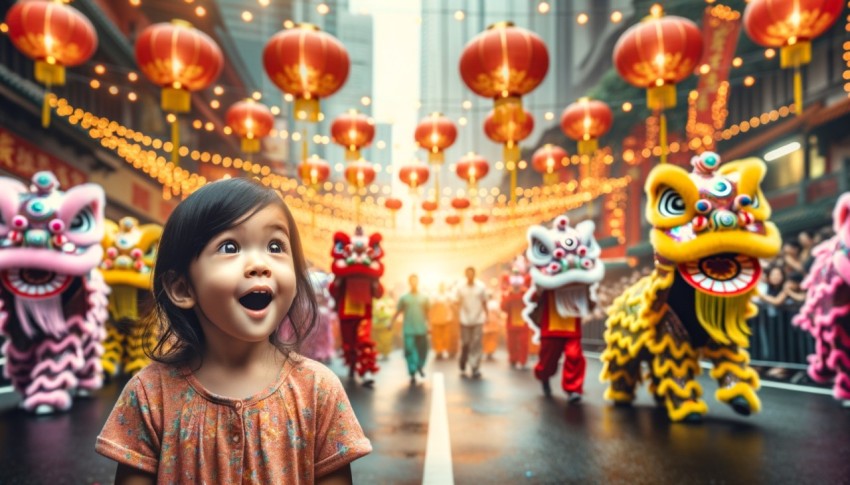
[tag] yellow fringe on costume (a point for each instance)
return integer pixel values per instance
(112, 350)
(725, 318)
(685, 409)
(740, 389)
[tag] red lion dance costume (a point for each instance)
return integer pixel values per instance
(514, 286)
(52, 298)
(565, 271)
(357, 268)
(826, 313)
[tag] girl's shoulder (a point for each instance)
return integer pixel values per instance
(308, 371)
(160, 377)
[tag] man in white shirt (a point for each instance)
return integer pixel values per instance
(471, 298)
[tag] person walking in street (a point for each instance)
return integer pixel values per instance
(471, 298)
(414, 305)
(440, 316)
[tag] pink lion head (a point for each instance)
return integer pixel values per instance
(841, 224)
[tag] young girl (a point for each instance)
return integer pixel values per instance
(225, 401)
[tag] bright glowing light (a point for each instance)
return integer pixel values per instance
(365, 100)
(275, 110)
(215, 104)
(770, 53)
(133, 77)
(323, 8)
(782, 151)
(543, 7)
(462, 121)
(256, 95)
(264, 3)
(459, 15)
(737, 62)
(467, 104)
(627, 106)
(247, 16)
(749, 81)
(132, 96)
(99, 69)
(582, 18)
(616, 16)
(200, 11)
(288, 24)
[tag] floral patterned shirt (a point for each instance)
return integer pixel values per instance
(300, 428)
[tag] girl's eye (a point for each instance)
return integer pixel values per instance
(228, 247)
(275, 247)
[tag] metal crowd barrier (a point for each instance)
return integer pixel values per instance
(774, 342)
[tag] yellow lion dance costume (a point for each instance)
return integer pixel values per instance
(709, 229)
(130, 250)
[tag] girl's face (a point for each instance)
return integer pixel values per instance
(243, 281)
(776, 276)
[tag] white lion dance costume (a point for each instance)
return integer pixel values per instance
(565, 273)
(130, 250)
(52, 298)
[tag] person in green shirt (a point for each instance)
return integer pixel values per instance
(414, 305)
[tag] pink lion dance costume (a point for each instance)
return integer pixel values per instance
(514, 285)
(565, 273)
(357, 268)
(826, 312)
(52, 298)
(319, 344)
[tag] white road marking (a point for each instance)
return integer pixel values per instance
(764, 383)
(438, 453)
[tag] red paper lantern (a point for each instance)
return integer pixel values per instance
(656, 54)
(480, 218)
(55, 36)
(585, 121)
(314, 170)
(251, 121)
(509, 131)
(426, 220)
(180, 59)
(472, 168)
(435, 133)
(308, 64)
(353, 131)
(460, 203)
(504, 63)
(359, 174)
(453, 220)
(547, 160)
(414, 175)
(393, 204)
(429, 206)
(791, 26)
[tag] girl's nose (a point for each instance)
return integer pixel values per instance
(257, 267)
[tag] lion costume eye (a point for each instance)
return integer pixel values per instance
(83, 221)
(540, 250)
(671, 204)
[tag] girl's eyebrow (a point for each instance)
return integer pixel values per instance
(280, 227)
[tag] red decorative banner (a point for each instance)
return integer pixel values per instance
(720, 28)
(24, 159)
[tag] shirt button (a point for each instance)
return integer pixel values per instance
(235, 438)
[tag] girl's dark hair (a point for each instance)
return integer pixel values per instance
(210, 210)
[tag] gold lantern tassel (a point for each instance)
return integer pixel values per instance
(437, 184)
(45, 108)
(175, 141)
(662, 135)
(798, 90)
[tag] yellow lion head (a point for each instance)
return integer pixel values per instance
(712, 223)
(130, 250)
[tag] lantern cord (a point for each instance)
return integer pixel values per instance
(357, 208)
(437, 173)
(513, 186)
(45, 108)
(798, 90)
(304, 144)
(175, 141)
(662, 135)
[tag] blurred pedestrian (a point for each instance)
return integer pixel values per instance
(414, 306)
(471, 298)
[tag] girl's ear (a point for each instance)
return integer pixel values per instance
(179, 291)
